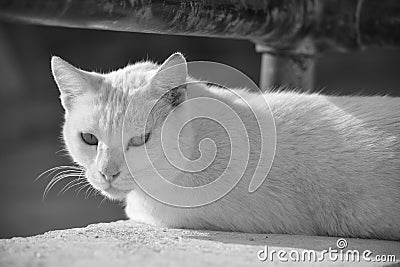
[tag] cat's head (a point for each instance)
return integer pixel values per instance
(95, 106)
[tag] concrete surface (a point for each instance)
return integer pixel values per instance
(125, 243)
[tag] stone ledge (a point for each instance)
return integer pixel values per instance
(125, 243)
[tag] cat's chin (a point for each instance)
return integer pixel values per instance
(114, 193)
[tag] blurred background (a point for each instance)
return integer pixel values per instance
(31, 114)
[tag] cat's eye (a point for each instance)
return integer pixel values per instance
(139, 140)
(89, 139)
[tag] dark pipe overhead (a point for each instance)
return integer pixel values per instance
(280, 24)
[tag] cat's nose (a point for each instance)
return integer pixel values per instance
(110, 176)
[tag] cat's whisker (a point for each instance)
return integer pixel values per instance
(62, 176)
(92, 192)
(57, 168)
(89, 193)
(101, 202)
(66, 174)
(57, 178)
(70, 185)
(66, 187)
(50, 185)
(80, 184)
(79, 189)
(97, 193)
(62, 150)
(50, 171)
(76, 172)
(88, 190)
(81, 175)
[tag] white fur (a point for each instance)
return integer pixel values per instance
(336, 170)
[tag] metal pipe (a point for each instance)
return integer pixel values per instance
(280, 24)
(293, 68)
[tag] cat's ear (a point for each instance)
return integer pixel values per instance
(170, 80)
(71, 81)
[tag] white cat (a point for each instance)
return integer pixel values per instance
(336, 170)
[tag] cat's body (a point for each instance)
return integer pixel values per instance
(336, 169)
(336, 172)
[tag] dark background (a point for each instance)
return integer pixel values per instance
(31, 115)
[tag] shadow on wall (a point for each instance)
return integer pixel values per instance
(31, 114)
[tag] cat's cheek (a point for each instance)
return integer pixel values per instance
(97, 182)
(124, 183)
(82, 154)
(138, 160)
(96, 186)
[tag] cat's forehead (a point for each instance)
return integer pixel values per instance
(122, 98)
(114, 108)
(132, 76)
(113, 105)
